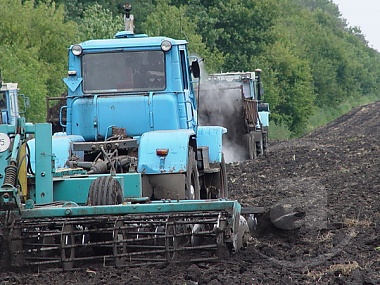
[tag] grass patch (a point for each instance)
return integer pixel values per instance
(344, 269)
(320, 117)
(326, 115)
(350, 223)
(279, 132)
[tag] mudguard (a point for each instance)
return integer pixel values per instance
(264, 118)
(211, 136)
(175, 141)
(62, 149)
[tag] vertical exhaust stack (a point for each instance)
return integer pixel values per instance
(129, 20)
(258, 80)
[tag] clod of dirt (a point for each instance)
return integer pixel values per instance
(194, 273)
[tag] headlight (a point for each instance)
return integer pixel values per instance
(77, 50)
(166, 45)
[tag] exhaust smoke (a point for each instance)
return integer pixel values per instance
(221, 104)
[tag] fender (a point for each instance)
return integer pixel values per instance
(264, 118)
(211, 136)
(175, 141)
(62, 149)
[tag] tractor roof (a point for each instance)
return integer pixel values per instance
(8, 86)
(130, 41)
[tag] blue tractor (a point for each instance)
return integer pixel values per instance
(131, 178)
(241, 109)
(9, 102)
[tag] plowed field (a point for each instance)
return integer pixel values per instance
(331, 176)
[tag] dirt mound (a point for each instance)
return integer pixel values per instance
(331, 176)
(362, 121)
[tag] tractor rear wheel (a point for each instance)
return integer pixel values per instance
(223, 179)
(251, 145)
(192, 188)
(214, 184)
(265, 143)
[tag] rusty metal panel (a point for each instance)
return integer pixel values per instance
(250, 111)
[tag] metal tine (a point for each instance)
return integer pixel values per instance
(153, 252)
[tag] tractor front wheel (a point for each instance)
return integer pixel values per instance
(104, 190)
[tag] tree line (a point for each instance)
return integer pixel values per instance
(311, 59)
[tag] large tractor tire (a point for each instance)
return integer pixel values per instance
(214, 184)
(192, 188)
(265, 143)
(223, 179)
(251, 146)
(260, 146)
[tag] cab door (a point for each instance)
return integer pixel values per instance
(188, 91)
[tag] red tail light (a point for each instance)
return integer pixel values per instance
(162, 151)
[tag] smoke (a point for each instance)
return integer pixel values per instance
(221, 104)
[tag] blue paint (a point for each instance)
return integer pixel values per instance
(176, 142)
(211, 136)
(61, 148)
(264, 118)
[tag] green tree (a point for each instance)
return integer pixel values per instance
(98, 23)
(310, 57)
(294, 99)
(172, 22)
(33, 50)
(75, 9)
(244, 30)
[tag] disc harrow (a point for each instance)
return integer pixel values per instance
(126, 240)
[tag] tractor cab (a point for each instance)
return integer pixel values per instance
(9, 105)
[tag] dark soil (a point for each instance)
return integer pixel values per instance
(331, 175)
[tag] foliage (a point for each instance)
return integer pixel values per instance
(337, 63)
(99, 23)
(324, 115)
(33, 50)
(244, 30)
(294, 98)
(75, 9)
(313, 63)
(172, 22)
(279, 131)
